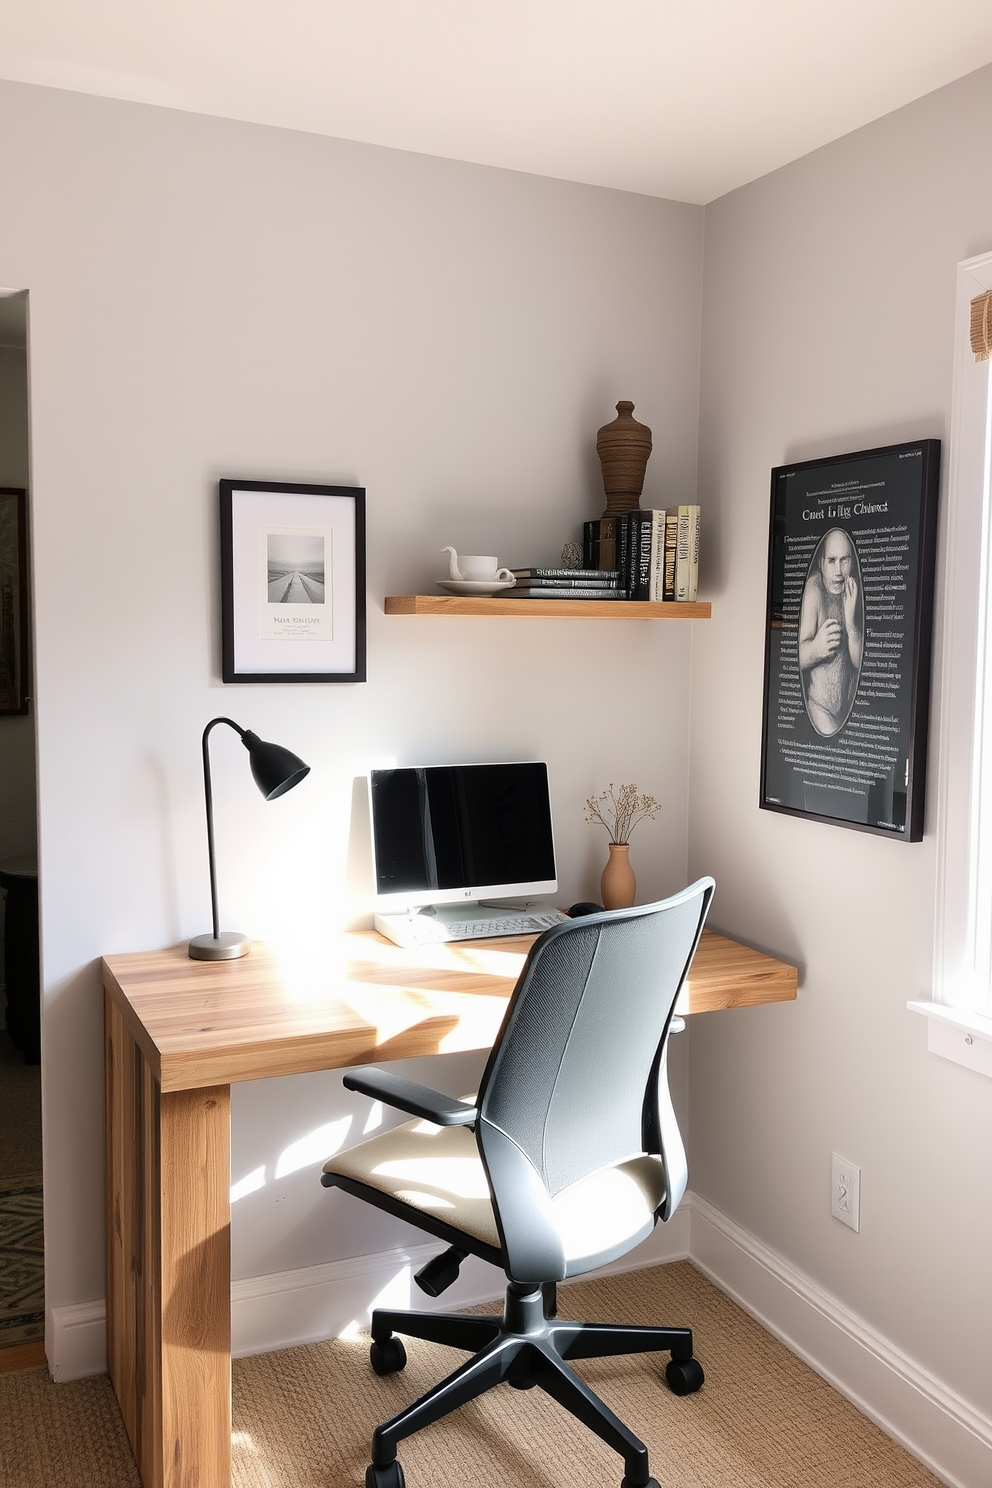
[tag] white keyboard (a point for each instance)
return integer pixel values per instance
(513, 924)
(424, 930)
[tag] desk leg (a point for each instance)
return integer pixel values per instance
(168, 1269)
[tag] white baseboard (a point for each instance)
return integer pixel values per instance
(293, 1307)
(76, 1340)
(288, 1308)
(913, 1407)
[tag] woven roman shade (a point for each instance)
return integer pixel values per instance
(981, 326)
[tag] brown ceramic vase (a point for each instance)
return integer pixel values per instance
(618, 886)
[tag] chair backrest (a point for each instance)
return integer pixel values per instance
(576, 1081)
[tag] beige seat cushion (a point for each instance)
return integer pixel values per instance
(433, 1168)
(438, 1170)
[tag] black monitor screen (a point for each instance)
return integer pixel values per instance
(459, 827)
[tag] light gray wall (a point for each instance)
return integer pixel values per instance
(217, 299)
(829, 295)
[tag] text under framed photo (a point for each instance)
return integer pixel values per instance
(292, 582)
(848, 638)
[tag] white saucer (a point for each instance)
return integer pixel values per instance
(476, 586)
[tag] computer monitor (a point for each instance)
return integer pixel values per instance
(457, 834)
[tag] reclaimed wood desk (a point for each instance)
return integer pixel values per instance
(178, 1034)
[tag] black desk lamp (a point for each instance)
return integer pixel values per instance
(276, 771)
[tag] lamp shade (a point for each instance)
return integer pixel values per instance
(276, 770)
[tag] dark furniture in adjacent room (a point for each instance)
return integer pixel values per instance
(19, 878)
(565, 1160)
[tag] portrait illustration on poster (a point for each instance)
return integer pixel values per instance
(831, 633)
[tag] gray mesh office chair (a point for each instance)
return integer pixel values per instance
(567, 1158)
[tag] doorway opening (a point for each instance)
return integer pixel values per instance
(22, 1301)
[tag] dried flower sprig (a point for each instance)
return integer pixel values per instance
(620, 808)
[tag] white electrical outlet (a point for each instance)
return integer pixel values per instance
(845, 1194)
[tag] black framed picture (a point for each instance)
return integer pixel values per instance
(848, 638)
(292, 582)
(13, 600)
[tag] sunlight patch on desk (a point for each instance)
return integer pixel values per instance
(389, 1010)
(316, 1147)
(250, 1183)
(441, 956)
(311, 971)
(491, 962)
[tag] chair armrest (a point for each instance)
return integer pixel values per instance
(406, 1095)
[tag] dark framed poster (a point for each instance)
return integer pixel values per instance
(848, 638)
(292, 582)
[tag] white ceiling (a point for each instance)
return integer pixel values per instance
(678, 98)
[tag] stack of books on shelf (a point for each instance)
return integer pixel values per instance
(655, 553)
(565, 583)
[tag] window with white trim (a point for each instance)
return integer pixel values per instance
(960, 1014)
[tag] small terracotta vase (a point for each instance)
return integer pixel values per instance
(618, 885)
(623, 447)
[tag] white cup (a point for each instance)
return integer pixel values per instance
(477, 568)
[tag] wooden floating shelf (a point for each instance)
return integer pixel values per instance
(552, 609)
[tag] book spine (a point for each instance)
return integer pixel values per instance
(523, 591)
(642, 576)
(656, 587)
(576, 580)
(687, 553)
(590, 544)
(607, 543)
(623, 550)
(587, 575)
(671, 531)
(694, 553)
(683, 548)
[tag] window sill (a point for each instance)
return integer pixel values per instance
(964, 1037)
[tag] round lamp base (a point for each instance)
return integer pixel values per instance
(227, 946)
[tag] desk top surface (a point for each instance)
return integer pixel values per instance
(202, 1023)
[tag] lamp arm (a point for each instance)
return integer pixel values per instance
(208, 797)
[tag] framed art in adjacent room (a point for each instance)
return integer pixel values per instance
(292, 582)
(848, 638)
(13, 600)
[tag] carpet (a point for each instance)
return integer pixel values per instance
(22, 1261)
(303, 1418)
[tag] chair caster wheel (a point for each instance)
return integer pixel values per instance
(384, 1477)
(651, 1483)
(684, 1376)
(387, 1358)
